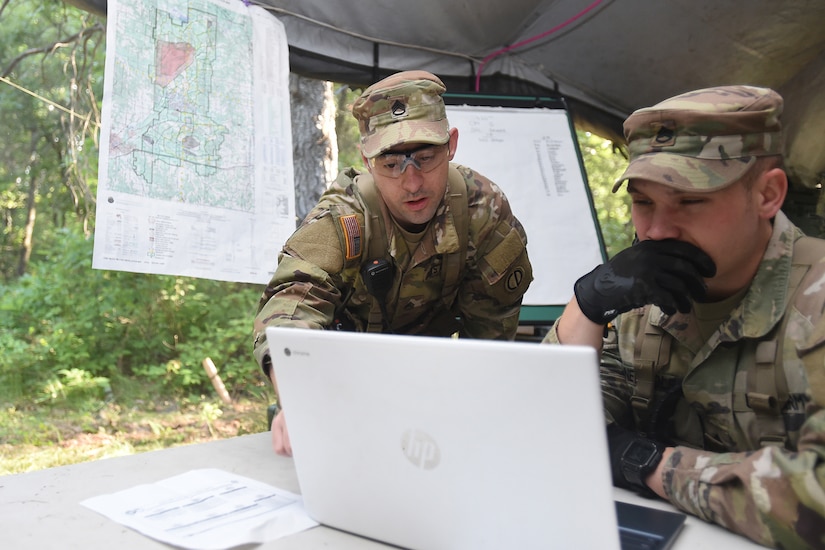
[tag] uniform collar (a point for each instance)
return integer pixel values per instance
(762, 306)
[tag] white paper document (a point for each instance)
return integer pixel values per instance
(206, 509)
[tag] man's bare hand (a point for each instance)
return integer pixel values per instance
(280, 436)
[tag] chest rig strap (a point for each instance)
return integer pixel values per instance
(651, 353)
(454, 263)
(767, 390)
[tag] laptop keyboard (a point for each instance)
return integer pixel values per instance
(636, 540)
(643, 528)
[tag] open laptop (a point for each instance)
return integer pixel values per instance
(431, 443)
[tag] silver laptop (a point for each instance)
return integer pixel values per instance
(430, 443)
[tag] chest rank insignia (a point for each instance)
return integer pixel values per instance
(352, 236)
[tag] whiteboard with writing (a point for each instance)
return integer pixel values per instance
(530, 153)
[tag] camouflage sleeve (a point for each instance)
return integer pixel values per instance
(772, 496)
(499, 268)
(552, 336)
(306, 287)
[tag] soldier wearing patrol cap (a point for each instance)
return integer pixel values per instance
(713, 361)
(413, 245)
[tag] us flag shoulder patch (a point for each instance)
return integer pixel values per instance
(352, 236)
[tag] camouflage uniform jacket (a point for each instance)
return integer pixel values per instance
(736, 464)
(314, 280)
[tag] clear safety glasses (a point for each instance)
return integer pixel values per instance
(426, 159)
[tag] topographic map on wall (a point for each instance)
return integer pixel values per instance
(196, 146)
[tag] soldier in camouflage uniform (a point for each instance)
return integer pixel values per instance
(438, 240)
(711, 327)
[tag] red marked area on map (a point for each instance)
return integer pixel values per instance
(171, 59)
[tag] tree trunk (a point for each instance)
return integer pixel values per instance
(28, 231)
(314, 144)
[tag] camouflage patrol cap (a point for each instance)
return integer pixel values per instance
(703, 140)
(403, 108)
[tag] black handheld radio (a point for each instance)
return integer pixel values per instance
(378, 277)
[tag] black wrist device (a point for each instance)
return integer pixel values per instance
(639, 460)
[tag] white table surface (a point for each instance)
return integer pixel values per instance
(40, 510)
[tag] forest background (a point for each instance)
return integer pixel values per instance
(103, 363)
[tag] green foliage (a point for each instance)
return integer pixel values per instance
(227, 339)
(76, 387)
(68, 330)
(56, 53)
(52, 56)
(604, 164)
(346, 128)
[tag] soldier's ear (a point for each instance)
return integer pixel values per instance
(453, 142)
(770, 192)
(366, 163)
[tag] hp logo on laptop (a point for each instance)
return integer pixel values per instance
(420, 449)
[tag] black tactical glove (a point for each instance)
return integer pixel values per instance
(632, 458)
(666, 273)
